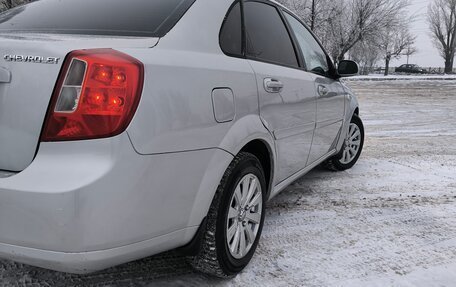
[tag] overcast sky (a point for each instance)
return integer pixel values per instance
(428, 55)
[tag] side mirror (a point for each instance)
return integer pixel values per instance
(347, 68)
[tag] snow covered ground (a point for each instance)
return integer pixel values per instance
(400, 77)
(390, 221)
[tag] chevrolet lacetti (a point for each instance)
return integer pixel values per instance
(129, 128)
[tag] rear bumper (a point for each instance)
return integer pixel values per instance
(85, 206)
(87, 262)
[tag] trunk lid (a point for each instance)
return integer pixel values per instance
(29, 67)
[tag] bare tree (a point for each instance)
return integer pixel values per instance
(442, 21)
(397, 41)
(409, 51)
(300, 7)
(367, 53)
(321, 16)
(343, 24)
(363, 19)
(315, 13)
(8, 4)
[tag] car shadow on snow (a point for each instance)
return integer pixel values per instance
(166, 269)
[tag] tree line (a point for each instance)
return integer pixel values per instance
(373, 31)
(367, 31)
(8, 4)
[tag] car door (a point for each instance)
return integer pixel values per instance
(286, 94)
(329, 91)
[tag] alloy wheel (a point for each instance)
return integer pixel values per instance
(244, 216)
(352, 144)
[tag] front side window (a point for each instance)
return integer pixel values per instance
(231, 33)
(266, 35)
(314, 56)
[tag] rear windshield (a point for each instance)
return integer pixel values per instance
(144, 18)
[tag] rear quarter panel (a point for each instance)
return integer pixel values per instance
(176, 112)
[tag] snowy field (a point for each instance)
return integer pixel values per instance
(390, 221)
(401, 77)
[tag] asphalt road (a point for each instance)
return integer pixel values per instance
(390, 221)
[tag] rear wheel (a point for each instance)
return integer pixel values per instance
(352, 148)
(235, 220)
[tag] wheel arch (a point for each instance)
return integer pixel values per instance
(264, 152)
(261, 150)
(246, 135)
(352, 108)
(250, 135)
(356, 112)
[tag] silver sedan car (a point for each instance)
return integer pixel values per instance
(129, 128)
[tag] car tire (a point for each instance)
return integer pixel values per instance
(352, 148)
(218, 255)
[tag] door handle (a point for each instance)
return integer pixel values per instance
(273, 85)
(322, 91)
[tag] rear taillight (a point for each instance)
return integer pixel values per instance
(96, 96)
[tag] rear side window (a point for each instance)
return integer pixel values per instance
(266, 35)
(148, 18)
(231, 33)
